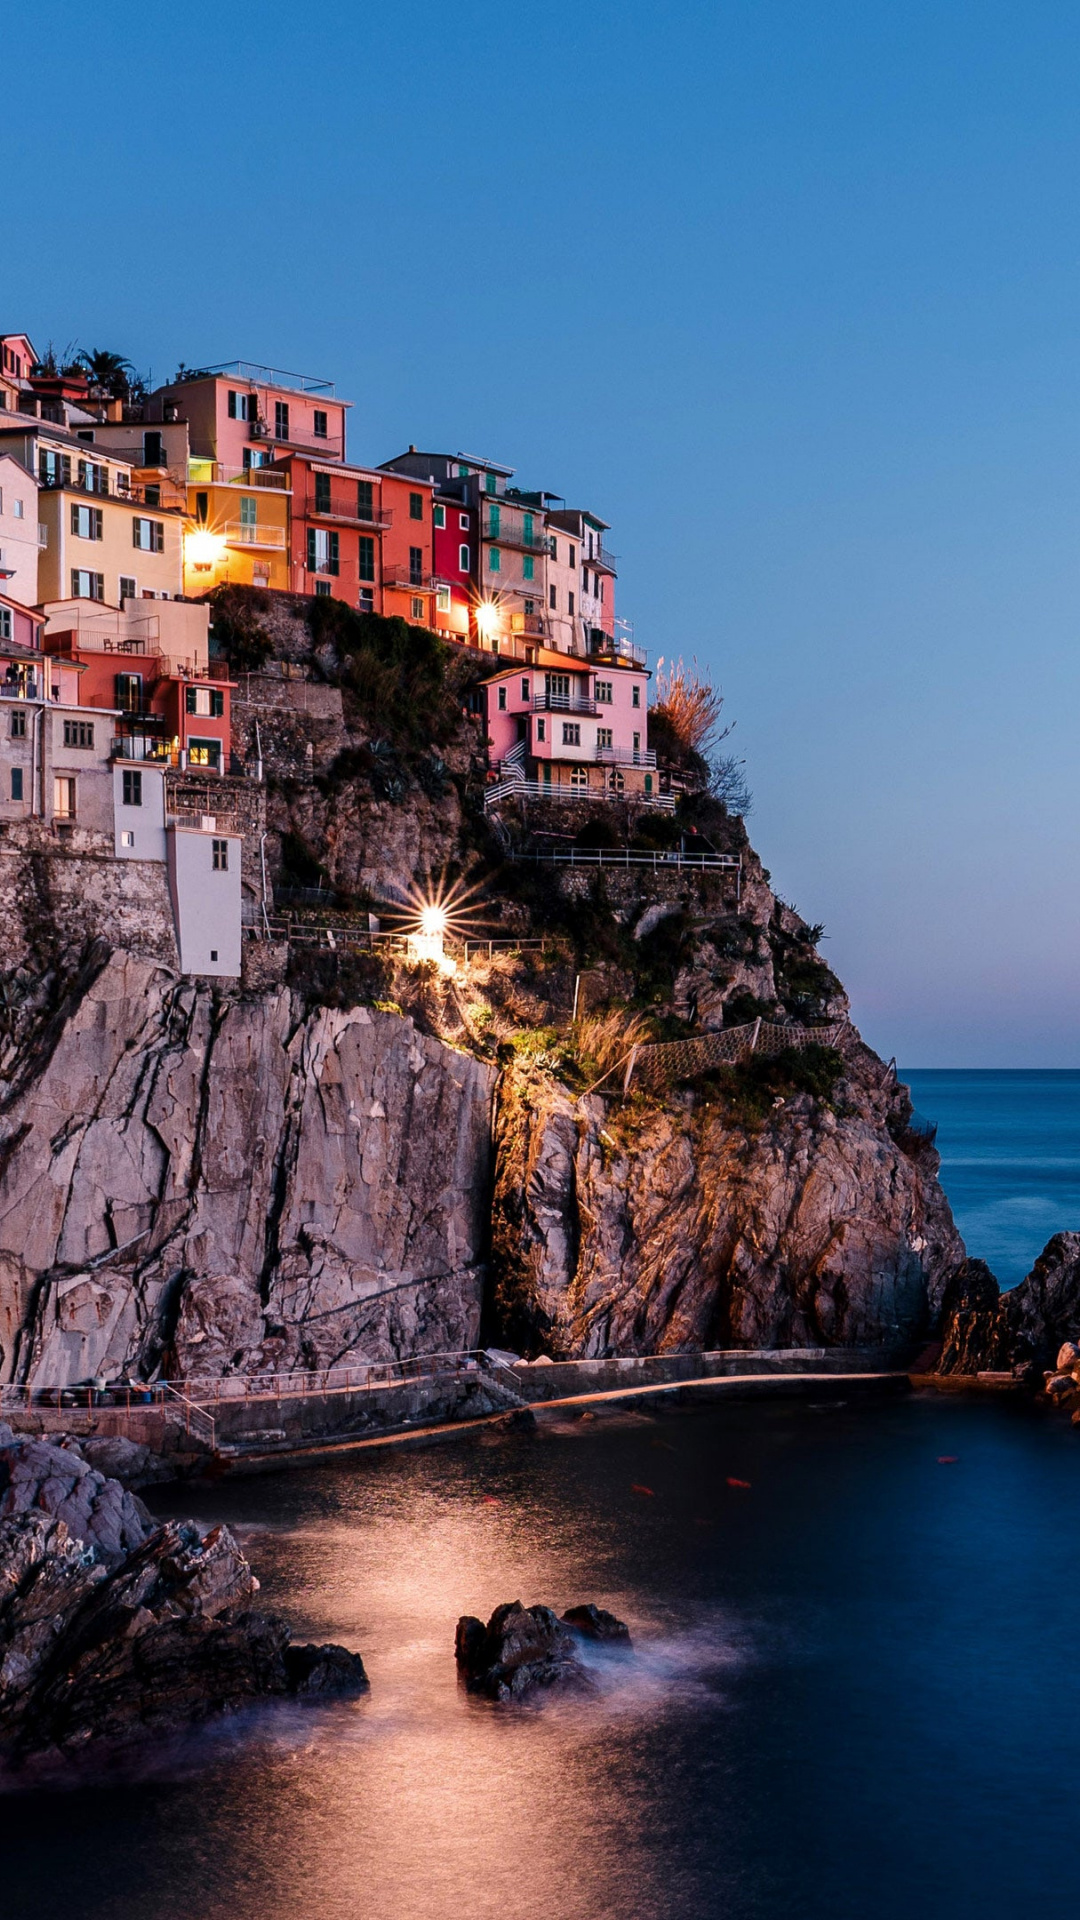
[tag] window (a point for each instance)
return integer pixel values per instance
(573, 556)
(221, 856)
(17, 509)
(603, 736)
(16, 783)
(525, 691)
(553, 599)
(249, 510)
(202, 508)
(571, 733)
(320, 423)
(579, 776)
(463, 559)
(541, 730)
(18, 725)
(530, 607)
(365, 500)
(322, 551)
(204, 753)
(417, 607)
(128, 588)
(323, 587)
(208, 702)
(153, 450)
(635, 696)
(232, 405)
(599, 585)
(502, 699)
(148, 534)
(490, 483)
(648, 783)
(528, 566)
(54, 469)
(416, 506)
(131, 788)
(416, 566)
(603, 693)
(615, 780)
(637, 743)
(554, 548)
(78, 733)
(570, 603)
(463, 522)
(281, 419)
(213, 954)
(127, 838)
(5, 623)
(322, 493)
(442, 599)
(463, 473)
(87, 586)
(438, 515)
(87, 522)
(366, 602)
(367, 557)
(557, 688)
(494, 559)
(128, 694)
(64, 797)
(494, 522)
(95, 479)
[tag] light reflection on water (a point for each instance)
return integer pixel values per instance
(825, 1678)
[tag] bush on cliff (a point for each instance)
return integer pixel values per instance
(759, 1086)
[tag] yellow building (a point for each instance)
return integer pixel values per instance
(237, 527)
(108, 536)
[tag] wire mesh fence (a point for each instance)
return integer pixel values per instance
(661, 1063)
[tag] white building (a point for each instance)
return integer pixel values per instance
(21, 536)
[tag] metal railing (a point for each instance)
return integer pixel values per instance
(621, 757)
(608, 649)
(563, 703)
(631, 857)
(273, 479)
(409, 582)
(330, 445)
(541, 790)
(242, 533)
(202, 1391)
(20, 690)
(348, 510)
(507, 534)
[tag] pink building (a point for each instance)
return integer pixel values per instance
(570, 729)
(241, 415)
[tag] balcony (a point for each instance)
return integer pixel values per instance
(406, 581)
(563, 703)
(211, 473)
(347, 512)
(240, 533)
(620, 757)
(20, 690)
(509, 534)
(330, 446)
(143, 746)
(602, 557)
(603, 647)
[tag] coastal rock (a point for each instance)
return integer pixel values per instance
(525, 1650)
(256, 1187)
(162, 1638)
(987, 1330)
(98, 1512)
(687, 1230)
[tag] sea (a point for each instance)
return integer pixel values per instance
(852, 1691)
(1010, 1158)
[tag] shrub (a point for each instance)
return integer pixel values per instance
(751, 1090)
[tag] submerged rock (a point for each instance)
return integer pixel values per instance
(524, 1650)
(101, 1642)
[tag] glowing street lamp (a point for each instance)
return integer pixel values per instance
(488, 619)
(203, 548)
(427, 942)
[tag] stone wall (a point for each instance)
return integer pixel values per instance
(54, 900)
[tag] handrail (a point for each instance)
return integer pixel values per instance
(537, 790)
(629, 857)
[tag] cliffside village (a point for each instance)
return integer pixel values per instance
(123, 508)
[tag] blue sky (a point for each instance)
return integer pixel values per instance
(788, 292)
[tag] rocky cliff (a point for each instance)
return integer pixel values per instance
(344, 1158)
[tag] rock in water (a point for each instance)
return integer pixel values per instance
(95, 1646)
(986, 1330)
(524, 1650)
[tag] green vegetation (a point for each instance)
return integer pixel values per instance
(753, 1090)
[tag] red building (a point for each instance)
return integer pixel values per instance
(152, 669)
(454, 526)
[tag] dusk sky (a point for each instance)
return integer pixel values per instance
(788, 292)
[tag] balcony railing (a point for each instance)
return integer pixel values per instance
(240, 533)
(20, 690)
(143, 746)
(603, 647)
(330, 445)
(622, 757)
(272, 479)
(348, 511)
(602, 557)
(563, 703)
(407, 581)
(509, 534)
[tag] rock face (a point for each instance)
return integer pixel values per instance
(685, 1231)
(219, 1180)
(97, 1511)
(525, 1650)
(987, 1330)
(162, 1638)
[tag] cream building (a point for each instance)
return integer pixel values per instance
(104, 539)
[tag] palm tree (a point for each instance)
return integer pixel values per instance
(110, 372)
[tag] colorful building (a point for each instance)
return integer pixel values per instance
(561, 729)
(22, 535)
(150, 667)
(101, 539)
(583, 577)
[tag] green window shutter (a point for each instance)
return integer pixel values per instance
(334, 553)
(527, 528)
(494, 527)
(367, 557)
(494, 560)
(311, 548)
(365, 500)
(529, 567)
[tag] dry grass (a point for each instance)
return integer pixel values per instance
(601, 1039)
(691, 705)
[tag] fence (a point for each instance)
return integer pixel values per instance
(631, 857)
(662, 1062)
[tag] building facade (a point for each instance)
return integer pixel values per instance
(22, 535)
(564, 729)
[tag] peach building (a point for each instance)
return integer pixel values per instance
(567, 729)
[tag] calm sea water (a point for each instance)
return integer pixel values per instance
(854, 1689)
(1010, 1150)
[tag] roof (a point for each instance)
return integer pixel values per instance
(30, 612)
(566, 663)
(28, 423)
(463, 459)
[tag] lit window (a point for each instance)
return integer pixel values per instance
(442, 599)
(64, 797)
